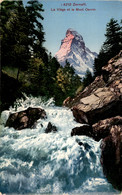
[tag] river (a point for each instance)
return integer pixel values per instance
(32, 161)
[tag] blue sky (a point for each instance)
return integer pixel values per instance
(90, 24)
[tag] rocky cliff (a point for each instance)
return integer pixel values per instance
(73, 50)
(100, 107)
(103, 97)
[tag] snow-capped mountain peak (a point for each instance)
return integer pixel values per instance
(73, 50)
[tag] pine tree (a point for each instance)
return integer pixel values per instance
(113, 42)
(111, 46)
(53, 66)
(99, 62)
(87, 79)
(15, 36)
(67, 80)
(21, 35)
(7, 9)
(34, 9)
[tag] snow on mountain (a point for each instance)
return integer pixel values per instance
(73, 50)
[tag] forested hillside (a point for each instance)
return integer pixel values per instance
(25, 59)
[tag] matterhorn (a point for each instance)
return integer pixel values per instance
(74, 51)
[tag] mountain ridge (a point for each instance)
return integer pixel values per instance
(74, 50)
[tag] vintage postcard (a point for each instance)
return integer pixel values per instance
(61, 86)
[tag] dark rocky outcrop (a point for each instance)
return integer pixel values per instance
(98, 130)
(26, 118)
(111, 157)
(50, 128)
(82, 130)
(80, 116)
(102, 129)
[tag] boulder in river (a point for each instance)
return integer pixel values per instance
(82, 130)
(26, 118)
(50, 128)
(80, 116)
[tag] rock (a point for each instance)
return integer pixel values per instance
(86, 146)
(26, 118)
(102, 98)
(66, 101)
(83, 130)
(103, 127)
(80, 116)
(111, 156)
(93, 113)
(98, 130)
(50, 128)
(97, 83)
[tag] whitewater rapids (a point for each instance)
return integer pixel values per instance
(32, 161)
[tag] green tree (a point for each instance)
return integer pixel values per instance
(22, 34)
(113, 43)
(87, 79)
(53, 66)
(111, 46)
(7, 9)
(67, 80)
(31, 80)
(34, 9)
(99, 62)
(15, 36)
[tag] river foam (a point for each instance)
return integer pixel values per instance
(32, 161)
